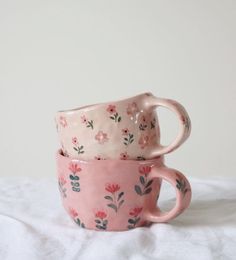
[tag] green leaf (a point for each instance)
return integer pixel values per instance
(78, 221)
(137, 220)
(131, 136)
(120, 203)
(82, 152)
(103, 227)
(131, 221)
(119, 119)
(82, 225)
(141, 158)
(138, 189)
(131, 141)
(113, 206)
(149, 183)
(76, 178)
(105, 222)
(125, 143)
(76, 184)
(81, 147)
(120, 195)
(178, 181)
(72, 177)
(75, 148)
(148, 190)
(130, 227)
(98, 221)
(100, 227)
(142, 180)
(126, 139)
(108, 198)
(111, 117)
(178, 186)
(76, 189)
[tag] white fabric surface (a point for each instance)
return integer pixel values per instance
(34, 225)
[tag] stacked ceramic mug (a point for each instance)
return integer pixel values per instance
(111, 163)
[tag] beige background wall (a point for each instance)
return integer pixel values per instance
(63, 54)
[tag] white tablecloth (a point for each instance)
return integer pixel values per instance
(34, 225)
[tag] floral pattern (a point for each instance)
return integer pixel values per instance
(124, 156)
(78, 148)
(63, 121)
(133, 221)
(74, 214)
(61, 184)
(100, 220)
(143, 124)
(141, 158)
(153, 123)
(99, 158)
(186, 122)
(132, 109)
(115, 201)
(75, 169)
(88, 123)
(111, 109)
(101, 137)
(128, 137)
(143, 141)
(181, 184)
(145, 185)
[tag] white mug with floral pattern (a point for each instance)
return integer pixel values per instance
(126, 129)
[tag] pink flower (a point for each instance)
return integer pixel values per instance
(112, 188)
(74, 167)
(125, 131)
(111, 109)
(101, 137)
(63, 121)
(75, 141)
(84, 120)
(132, 109)
(99, 157)
(73, 213)
(62, 180)
(144, 169)
(101, 214)
(143, 141)
(143, 119)
(124, 156)
(135, 212)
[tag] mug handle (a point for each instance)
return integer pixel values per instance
(183, 194)
(185, 123)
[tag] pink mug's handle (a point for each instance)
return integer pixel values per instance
(185, 123)
(183, 194)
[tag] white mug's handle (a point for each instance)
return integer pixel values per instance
(185, 123)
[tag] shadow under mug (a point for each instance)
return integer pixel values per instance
(116, 195)
(125, 129)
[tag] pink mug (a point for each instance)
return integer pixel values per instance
(116, 195)
(126, 129)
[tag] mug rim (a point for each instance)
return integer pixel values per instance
(156, 160)
(94, 106)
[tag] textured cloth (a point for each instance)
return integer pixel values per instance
(34, 226)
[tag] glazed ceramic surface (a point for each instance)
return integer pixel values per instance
(118, 195)
(126, 129)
